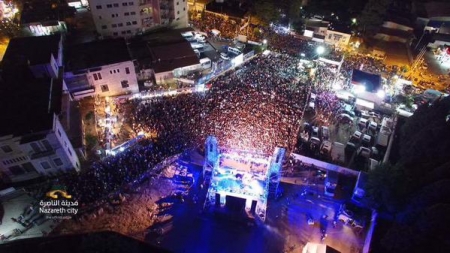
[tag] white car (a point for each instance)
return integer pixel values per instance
(325, 148)
(357, 135)
(224, 56)
(373, 126)
(366, 140)
(362, 123)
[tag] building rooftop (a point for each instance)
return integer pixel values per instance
(441, 37)
(163, 51)
(31, 50)
(43, 11)
(399, 19)
(96, 54)
(28, 104)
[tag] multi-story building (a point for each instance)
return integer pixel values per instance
(33, 142)
(102, 68)
(126, 18)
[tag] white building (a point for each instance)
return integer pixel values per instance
(126, 18)
(338, 38)
(102, 68)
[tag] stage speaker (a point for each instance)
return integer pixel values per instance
(253, 208)
(217, 199)
(235, 204)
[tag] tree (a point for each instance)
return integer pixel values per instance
(373, 15)
(417, 188)
(266, 11)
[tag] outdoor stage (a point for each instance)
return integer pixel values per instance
(240, 181)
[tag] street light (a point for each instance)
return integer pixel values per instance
(264, 41)
(320, 50)
(354, 20)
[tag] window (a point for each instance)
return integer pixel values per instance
(97, 76)
(110, 71)
(118, 70)
(124, 4)
(126, 14)
(120, 24)
(103, 26)
(123, 32)
(47, 145)
(178, 3)
(125, 84)
(178, 12)
(16, 170)
(114, 25)
(134, 22)
(129, 31)
(130, 3)
(28, 167)
(133, 13)
(59, 132)
(6, 149)
(99, 17)
(109, 6)
(128, 23)
(98, 7)
(184, 9)
(116, 5)
(46, 165)
(58, 162)
(70, 153)
(35, 147)
(127, 70)
(105, 88)
(115, 33)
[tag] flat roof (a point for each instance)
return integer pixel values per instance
(396, 32)
(96, 54)
(28, 103)
(31, 50)
(162, 51)
(441, 37)
(231, 8)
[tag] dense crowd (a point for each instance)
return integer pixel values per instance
(228, 27)
(257, 107)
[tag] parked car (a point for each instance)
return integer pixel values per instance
(366, 140)
(356, 137)
(325, 148)
(224, 56)
(325, 133)
(362, 123)
(345, 118)
(364, 152)
(315, 143)
(373, 126)
(315, 132)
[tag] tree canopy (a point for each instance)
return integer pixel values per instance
(415, 192)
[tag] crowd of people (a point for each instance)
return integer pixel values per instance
(257, 107)
(228, 27)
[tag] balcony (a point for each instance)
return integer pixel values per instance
(41, 154)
